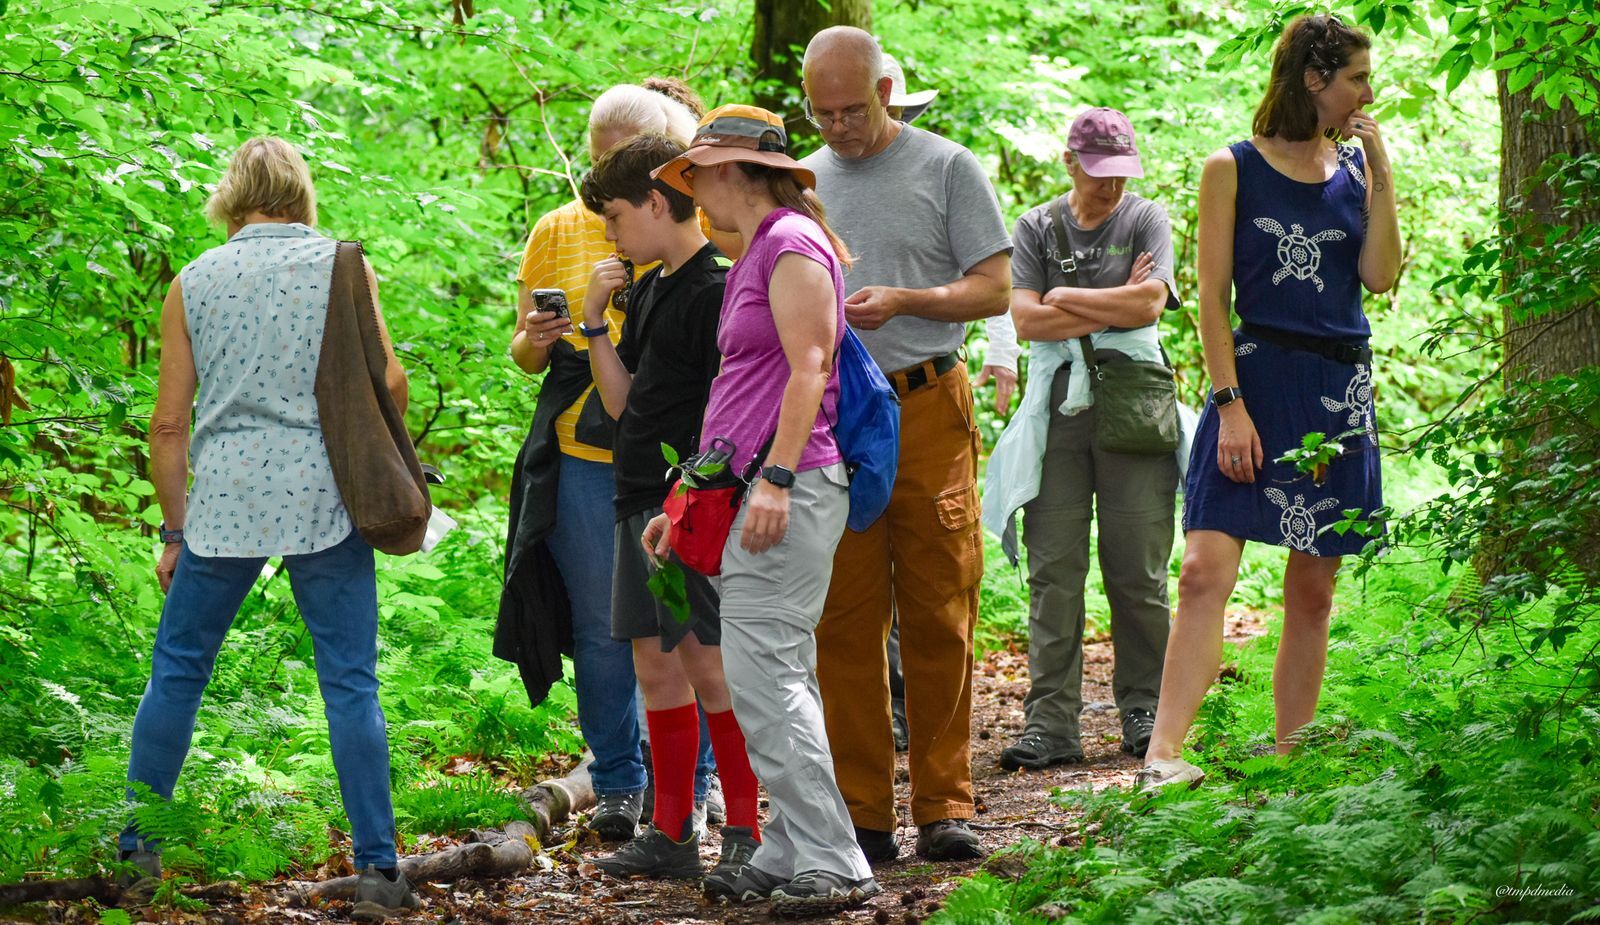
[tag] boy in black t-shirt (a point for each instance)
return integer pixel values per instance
(655, 382)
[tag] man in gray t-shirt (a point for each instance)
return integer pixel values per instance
(932, 254)
(1121, 246)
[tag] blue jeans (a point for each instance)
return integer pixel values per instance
(602, 668)
(336, 592)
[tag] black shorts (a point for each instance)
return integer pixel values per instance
(635, 612)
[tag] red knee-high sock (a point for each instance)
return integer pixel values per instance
(674, 748)
(733, 766)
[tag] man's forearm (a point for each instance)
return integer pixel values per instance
(970, 298)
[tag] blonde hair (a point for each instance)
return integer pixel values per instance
(629, 109)
(266, 175)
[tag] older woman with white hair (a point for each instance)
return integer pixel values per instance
(557, 594)
(243, 325)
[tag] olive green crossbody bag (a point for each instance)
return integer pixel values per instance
(1135, 403)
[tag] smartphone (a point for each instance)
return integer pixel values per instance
(552, 300)
(619, 296)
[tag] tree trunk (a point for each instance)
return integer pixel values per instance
(783, 27)
(1547, 345)
(1530, 134)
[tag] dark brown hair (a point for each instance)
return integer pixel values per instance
(1319, 43)
(790, 193)
(673, 88)
(624, 173)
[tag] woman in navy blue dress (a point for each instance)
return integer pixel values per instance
(1293, 225)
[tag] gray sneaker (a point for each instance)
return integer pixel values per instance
(616, 816)
(821, 892)
(716, 805)
(654, 855)
(1036, 752)
(379, 898)
(140, 864)
(746, 883)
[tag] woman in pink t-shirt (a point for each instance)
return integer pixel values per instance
(782, 321)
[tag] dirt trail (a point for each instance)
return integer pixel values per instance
(563, 889)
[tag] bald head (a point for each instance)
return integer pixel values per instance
(843, 53)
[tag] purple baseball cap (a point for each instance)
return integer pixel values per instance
(1103, 140)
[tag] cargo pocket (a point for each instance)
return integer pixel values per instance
(958, 510)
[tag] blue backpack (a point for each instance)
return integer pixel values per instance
(868, 431)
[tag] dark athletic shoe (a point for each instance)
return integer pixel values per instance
(140, 865)
(948, 840)
(1137, 726)
(879, 847)
(821, 892)
(902, 732)
(1036, 752)
(745, 884)
(652, 854)
(739, 845)
(616, 816)
(379, 898)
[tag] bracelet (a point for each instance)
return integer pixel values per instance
(587, 331)
(170, 536)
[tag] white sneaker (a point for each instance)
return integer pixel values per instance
(1162, 772)
(716, 803)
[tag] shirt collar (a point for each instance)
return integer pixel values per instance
(273, 230)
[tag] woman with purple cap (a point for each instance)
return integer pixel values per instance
(1090, 274)
(782, 322)
(1293, 225)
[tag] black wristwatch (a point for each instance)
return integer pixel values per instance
(1226, 396)
(779, 476)
(170, 536)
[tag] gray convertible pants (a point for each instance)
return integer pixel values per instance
(771, 604)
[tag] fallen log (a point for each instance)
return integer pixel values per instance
(489, 853)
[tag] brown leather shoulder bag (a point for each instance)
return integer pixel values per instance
(374, 463)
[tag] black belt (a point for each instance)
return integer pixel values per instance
(1339, 351)
(908, 380)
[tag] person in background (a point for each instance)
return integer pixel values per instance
(557, 594)
(655, 382)
(782, 322)
(1047, 463)
(934, 255)
(1293, 225)
(243, 323)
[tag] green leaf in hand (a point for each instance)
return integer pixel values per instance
(666, 583)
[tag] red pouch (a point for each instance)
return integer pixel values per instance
(701, 519)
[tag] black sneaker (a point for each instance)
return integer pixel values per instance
(739, 845)
(1137, 726)
(652, 854)
(1036, 752)
(879, 847)
(902, 732)
(379, 898)
(948, 840)
(821, 892)
(616, 816)
(744, 884)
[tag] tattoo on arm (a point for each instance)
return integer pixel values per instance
(1382, 186)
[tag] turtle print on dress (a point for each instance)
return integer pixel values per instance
(1300, 255)
(1299, 522)
(1357, 400)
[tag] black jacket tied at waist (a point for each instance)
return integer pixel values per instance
(534, 628)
